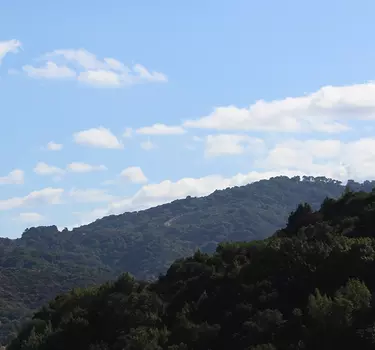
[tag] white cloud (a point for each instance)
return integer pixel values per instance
(79, 167)
(334, 158)
(9, 46)
(116, 65)
(50, 71)
(30, 217)
(134, 174)
(47, 195)
(161, 129)
(90, 195)
(87, 68)
(98, 137)
(44, 169)
(100, 78)
(128, 133)
(231, 144)
(324, 111)
(147, 145)
(144, 74)
(15, 177)
(79, 57)
(52, 146)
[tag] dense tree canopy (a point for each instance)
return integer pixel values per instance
(309, 286)
(243, 289)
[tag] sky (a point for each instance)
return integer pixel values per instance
(115, 106)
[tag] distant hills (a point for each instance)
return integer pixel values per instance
(45, 261)
(309, 286)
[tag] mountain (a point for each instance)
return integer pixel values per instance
(45, 262)
(309, 286)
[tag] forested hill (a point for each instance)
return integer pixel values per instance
(309, 286)
(45, 262)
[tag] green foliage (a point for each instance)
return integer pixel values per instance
(248, 294)
(308, 287)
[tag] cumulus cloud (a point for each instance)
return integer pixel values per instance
(134, 174)
(144, 74)
(161, 129)
(44, 169)
(47, 195)
(325, 111)
(333, 158)
(231, 144)
(53, 146)
(90, 195)
(9, 46)
(87, 68)
(79, 167)
(49, 71)
(15, 177)
(101, 78)
(30, 217)
(97, 137)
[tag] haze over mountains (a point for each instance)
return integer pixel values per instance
(45, 261)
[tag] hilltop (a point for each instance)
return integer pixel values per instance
(45, 262)
(308, 286)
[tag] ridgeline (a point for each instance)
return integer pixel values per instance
(308, 285)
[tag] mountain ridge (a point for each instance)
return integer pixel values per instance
(45, 261)
(308, 286)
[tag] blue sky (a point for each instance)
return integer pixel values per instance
(122, 105)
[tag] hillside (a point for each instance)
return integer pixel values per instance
(309, 286)
(45, 262)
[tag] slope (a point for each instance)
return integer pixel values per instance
(309, 286)
(45, 262)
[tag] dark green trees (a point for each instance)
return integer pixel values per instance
(308, 287)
